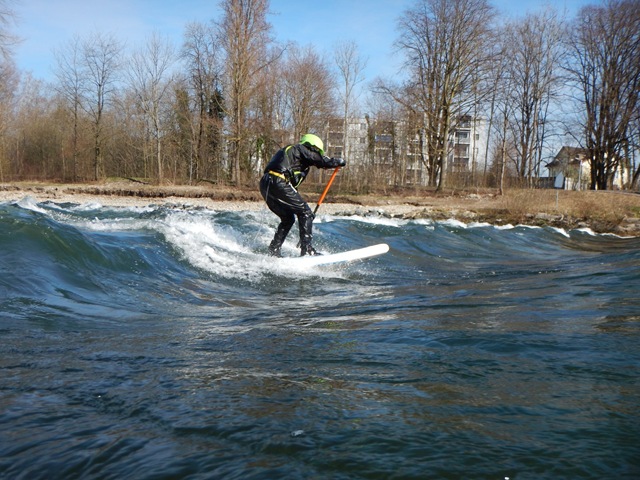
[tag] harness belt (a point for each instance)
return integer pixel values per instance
(277, 174)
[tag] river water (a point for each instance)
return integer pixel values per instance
(161, 342)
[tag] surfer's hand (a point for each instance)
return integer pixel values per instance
(340, 162)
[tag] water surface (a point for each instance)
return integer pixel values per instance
(162, 342)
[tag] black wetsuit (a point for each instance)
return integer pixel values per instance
(282, 176)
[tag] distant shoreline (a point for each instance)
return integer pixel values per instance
(467, 208)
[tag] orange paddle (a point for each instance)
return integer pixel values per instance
(326, 189)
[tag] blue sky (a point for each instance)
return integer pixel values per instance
(47, 24)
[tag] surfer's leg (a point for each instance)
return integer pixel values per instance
(281, 234)
(287, 219)
(286, 202)
(277, 195)
(305, 222)
(292, 203)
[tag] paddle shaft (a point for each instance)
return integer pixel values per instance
(326, 189)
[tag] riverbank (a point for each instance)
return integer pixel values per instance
(602, 212)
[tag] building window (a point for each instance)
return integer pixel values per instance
(461, 151)
(385, 137)
(335, 138)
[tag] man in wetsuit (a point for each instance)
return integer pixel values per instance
(282, 176)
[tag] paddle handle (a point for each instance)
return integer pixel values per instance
(326, 189)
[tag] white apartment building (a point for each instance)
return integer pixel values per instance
(468, 146)
(389, 143)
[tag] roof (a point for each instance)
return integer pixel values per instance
(573, 153)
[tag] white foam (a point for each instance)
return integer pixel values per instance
(424, 221)
(385, 221)
(112, 224)
(588, 231)
(224, 250)
(30, 203)
(87, 207)
(452, 222)
(479, 225)
(561, 231)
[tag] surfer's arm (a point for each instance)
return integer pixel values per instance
(328, 162)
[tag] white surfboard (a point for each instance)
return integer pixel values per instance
(349, 256)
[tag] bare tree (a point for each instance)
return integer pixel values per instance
(8, 84)
(69, 73)
(605, 64)
(150, 79)
(634, 145)
(532, 46)
(495, 76)
(8, 74)
(350, 68)
(8, 39)
(445, 43)
(504, 113)
(36, 151)
(245, 36)
(500, 108)
(269, 112)
(308, 84)
(204, 70)
(101, 62)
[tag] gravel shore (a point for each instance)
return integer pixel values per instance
(59, 195)
(467, 208)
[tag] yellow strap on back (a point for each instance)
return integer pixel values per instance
(277, 174)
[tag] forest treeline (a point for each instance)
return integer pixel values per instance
(216, 107)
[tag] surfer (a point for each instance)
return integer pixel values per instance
(278, 186)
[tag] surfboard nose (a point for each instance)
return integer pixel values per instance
(348, 256)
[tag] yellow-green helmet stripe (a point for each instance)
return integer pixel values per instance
(313, 140)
